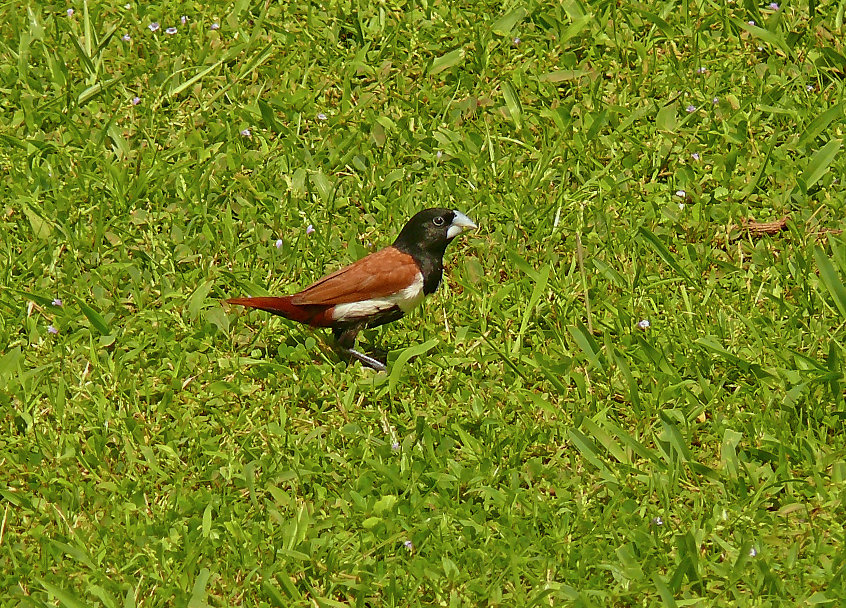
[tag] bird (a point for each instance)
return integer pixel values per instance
(377, 289)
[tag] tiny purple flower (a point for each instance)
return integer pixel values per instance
(57, 302)
(154, 26)
(439, 154)
(515, 41)
(409, 545)
(170, 31)
(751, 22)
(681, 193)
(321, 116)
(125, 38)
(310, 229)
(690, 109)
(715, 101)
(136, 100)
(701, 70)
(695, 156)
(395, 446)
(279, 243)
(774, 6)
(643, 324)
(753, 552)
(215, 26)
(246, 133)
(52, 330)
(657, 521)
(70, 12)
(183, 19)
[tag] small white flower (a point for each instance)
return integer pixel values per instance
(246, 133)
(657, 521)
(183, 19)
(215, 26)
(279, 243)
(681, 193)
(644, 325)
(321, 116)
(70, 12)
(753, 552)
(125, 38)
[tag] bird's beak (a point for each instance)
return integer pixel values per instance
(460, 223)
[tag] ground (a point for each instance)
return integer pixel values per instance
(629, 390)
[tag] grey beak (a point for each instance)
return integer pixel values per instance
(460, 223)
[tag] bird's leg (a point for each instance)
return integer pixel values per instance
(367, 360)
(345, 338)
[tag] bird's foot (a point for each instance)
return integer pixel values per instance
(366, 360)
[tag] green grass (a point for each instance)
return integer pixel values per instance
(161, 449)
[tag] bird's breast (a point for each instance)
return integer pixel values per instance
(410, 297)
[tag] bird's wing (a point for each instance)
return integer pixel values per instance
(380, 274)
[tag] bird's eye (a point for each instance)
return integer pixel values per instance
(438, 221)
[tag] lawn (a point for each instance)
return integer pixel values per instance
(628, 391)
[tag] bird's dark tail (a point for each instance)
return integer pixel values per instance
(315, 315)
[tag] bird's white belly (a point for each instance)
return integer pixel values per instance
(406, 299)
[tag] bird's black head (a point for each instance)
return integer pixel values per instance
(425, 238)
(431, 230)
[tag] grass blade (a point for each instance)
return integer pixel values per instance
(176, 90)
(94, 317)
(197, 299)
(537, 292)
(447, 61)
(588, 346)
(198, 591)
(589, 452)
(663, 252)
(506, 24)
(819, 163)
(512, 102)
(668, 30)
(66, 598)
(401, 361)
(771, 38)
(819, 124)
(831, 279)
